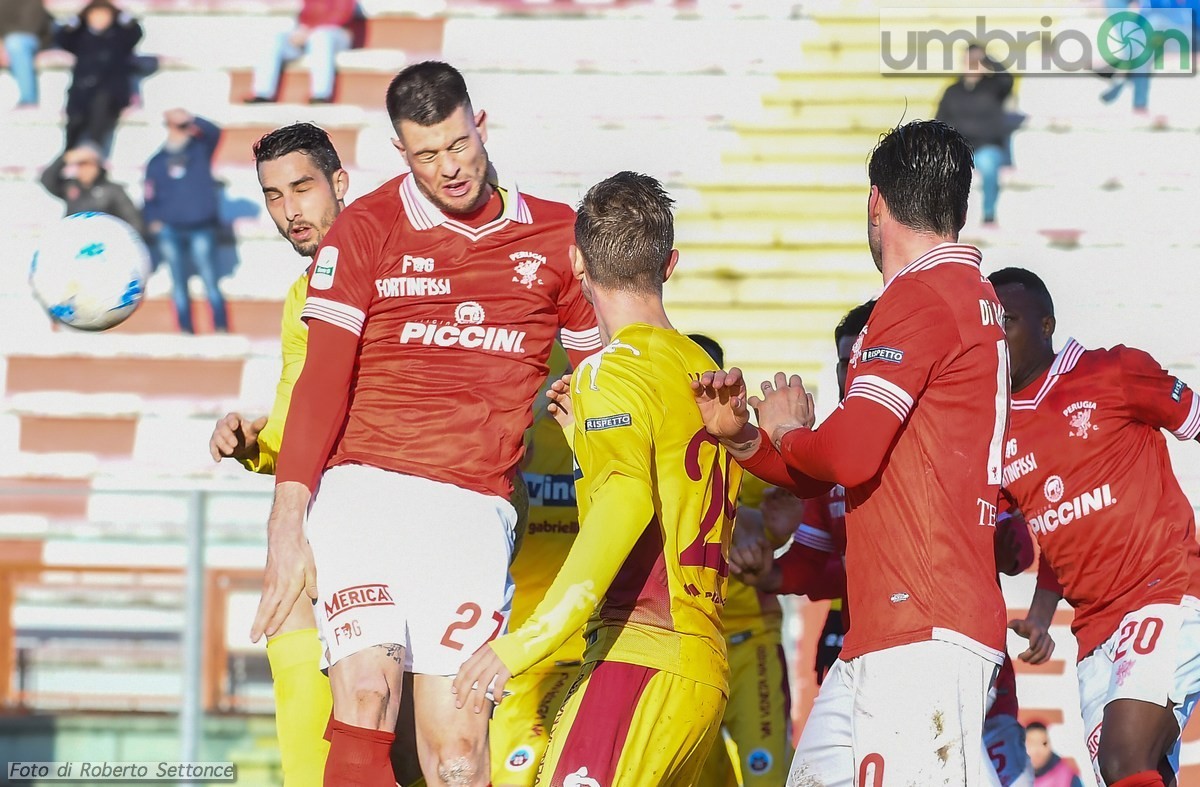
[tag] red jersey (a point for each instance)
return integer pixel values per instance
(813, 566)
(455, 326)
(1087, 463)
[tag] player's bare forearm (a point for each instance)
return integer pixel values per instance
(619, 515)
(1043, 606)
(744, 444)
(287, 510)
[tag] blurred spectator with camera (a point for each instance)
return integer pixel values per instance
(182, 211)
(322, 31)
(25, 27)
(974, 105)
(102, 38)
(79, 178)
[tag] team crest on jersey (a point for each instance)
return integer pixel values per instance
(468, 313)
(1053, 488)
(856, 350)
(759, 762)
(1079, 417)
(528, 265)
(520, 759)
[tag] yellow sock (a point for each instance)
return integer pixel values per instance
(303, 702)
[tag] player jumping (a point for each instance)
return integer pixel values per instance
(432, 306)
(917, 443)
(1088, 466)
(657, 496)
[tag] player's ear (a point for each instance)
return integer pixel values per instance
(481, 125)
(341, 184)
(874, 200)
(672, 261)
(398, 144)
(1048, 326)
(577, 269)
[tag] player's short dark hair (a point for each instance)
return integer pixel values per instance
(854, 321)
(304, 138)
(923, 172)
(1030, 281)
(625, 230)
(1035, 725)
(710, 346)
(426, 93)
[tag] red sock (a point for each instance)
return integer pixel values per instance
(1143, 779)
(359, 757)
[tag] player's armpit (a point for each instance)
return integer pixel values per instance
(622, 509)
(318, 405)
(769, 465)
(848, 448)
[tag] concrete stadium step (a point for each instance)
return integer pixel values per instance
(795, 288)
(763, 200)
(693, 230)
(802, 263)
(252, 318)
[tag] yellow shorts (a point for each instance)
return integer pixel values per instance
(520, 729)
(625, 725)
(757, 718)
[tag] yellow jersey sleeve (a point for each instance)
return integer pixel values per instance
(294, 339)
(618, 507)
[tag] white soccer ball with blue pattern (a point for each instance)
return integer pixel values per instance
(90, 271)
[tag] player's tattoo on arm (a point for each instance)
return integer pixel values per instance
(743, 449)
(394, 652)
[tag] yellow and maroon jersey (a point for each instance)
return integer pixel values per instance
(553, 524)
(657, 497)
(1087, 464)
(294, 338)
(747, 611)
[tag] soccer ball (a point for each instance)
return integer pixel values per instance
(90, 271)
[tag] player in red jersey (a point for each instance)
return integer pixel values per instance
(1087, 463)
(432, 306)
(917, 444)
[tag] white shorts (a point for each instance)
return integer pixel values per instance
(408, 561)
(1004, 746)
(1153, 656)
(912, 714)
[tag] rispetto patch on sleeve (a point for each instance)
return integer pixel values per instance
(608, 422)
(1177, 391)
(889, 354)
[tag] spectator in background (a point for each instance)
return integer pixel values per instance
(322, 31)
(974, 105)
(78, 177)
(25, 27)
(181, 210)
(1049, 770)
(102, 39)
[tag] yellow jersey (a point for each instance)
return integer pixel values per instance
(549, 474)
(294, 338)
(747, 611)
(657, 497)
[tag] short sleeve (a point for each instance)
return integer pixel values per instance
(907, 340)
(578, 331)
(340, 284)
(1157, 398)
(614, 422)
(814, 528)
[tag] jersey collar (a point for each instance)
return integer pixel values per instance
(1064, 362)
(424, 215)
(960, 253)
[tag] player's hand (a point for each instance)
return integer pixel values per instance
(1041, 644)
(481, 678)
(749, 551)
(784, 406)
(560, 407)
(721, 397)
(235, 437)
(782, 513)
(290, 571)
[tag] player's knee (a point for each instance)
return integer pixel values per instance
(457, 769)
(364, 700)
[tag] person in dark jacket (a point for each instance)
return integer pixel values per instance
(78, 177)
(102, 38)
(25, 27)
(181, 210)
(974, 105)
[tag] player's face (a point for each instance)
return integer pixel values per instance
(845, 348)
(448, 159)
(1025, 330)
(302, 201)
(1037, 744)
